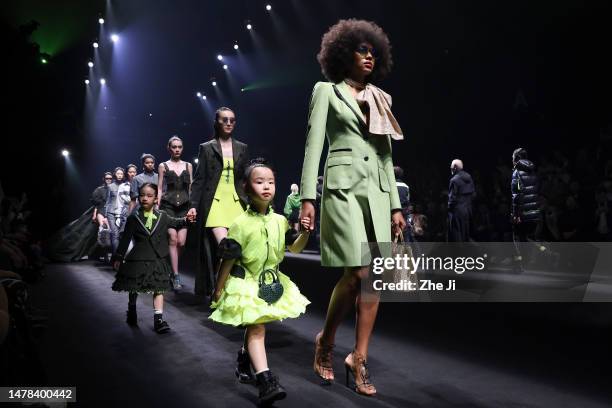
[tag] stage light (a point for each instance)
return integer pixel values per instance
(90, 64)
(214, 83)
(43, 60)
(114, 38)
(235, 46)
(199, 94)
(102, 81)
(268, 7)
(196, 161)
(241, 89)
(204, 97)
(95, 45)
(65, 153)
(249, 26)
(150, 115)
(220, 57)
(101, 20)
(87, 82)
(224, 66)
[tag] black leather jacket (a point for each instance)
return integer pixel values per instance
(525, 192)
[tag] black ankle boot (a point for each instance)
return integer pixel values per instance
(243, 367)
(269, 388)
(159, 324)
(132, 316)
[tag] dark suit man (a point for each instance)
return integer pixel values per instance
(461, 191)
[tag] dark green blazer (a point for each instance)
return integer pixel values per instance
(148, 245)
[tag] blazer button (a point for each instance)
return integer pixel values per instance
(366, 158)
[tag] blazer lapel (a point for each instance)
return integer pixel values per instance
(345, 95)
(216, 148)
(157, 221)
(236, 151)
(142, 221)
(139, 217)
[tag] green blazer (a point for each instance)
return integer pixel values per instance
(359, 188)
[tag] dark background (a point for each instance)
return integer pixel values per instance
(471, 80)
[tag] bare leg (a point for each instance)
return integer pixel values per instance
(181, 238)
(342, 300)
(255, 338)
(173, 249)
(366, 306)
(158, 301)
(366, 309)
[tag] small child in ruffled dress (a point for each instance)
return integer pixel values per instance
(251, 291)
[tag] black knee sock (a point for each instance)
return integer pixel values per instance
(244, 342)
(132, 300)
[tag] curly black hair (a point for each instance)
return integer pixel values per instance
(340, 42)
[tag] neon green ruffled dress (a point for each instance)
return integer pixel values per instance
(239, 303)
(225, 205)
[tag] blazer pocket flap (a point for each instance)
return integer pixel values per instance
(339, 174)
(384, 181)
(339, 160)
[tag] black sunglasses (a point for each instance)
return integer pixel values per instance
(363, 50)
(228, 120)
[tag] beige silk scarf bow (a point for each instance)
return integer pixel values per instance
(378, 103)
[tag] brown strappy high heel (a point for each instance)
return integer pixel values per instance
(323, 360)
(355, 364)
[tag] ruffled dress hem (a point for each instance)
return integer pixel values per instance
(240, 305)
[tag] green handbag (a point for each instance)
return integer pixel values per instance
(273, 290)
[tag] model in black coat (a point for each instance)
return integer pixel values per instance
(461, 191)
(203, 187)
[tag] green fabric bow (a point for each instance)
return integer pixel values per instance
(150, 217)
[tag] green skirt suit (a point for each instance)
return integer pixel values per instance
(359, 189)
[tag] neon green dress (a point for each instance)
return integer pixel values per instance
(226, 203)
(239, 303)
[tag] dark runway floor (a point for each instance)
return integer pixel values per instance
(422, 355)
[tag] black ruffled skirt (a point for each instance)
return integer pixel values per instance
(143, 276)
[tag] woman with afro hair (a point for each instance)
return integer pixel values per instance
(359, 203)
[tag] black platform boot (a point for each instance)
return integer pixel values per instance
(269, 388)
(243, 367)
(132, 316)
(159, 324)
